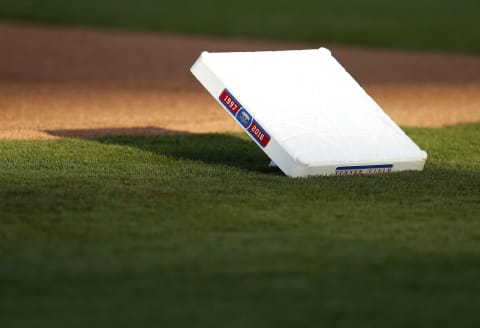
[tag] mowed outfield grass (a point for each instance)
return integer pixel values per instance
(196, 230)
(444, 25)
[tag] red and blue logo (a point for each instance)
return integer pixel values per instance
(244, 118)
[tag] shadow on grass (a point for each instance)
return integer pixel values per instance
(211, 148)
(449, 148)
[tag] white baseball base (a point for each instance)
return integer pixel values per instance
(306, 112)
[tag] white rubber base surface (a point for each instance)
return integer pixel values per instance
(307, 113)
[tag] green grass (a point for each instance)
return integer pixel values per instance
(196, 230)
(444, 25)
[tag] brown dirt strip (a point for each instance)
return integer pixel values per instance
(85, 83)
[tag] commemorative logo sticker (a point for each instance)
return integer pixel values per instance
(244, 118)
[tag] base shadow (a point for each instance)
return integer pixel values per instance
(211, 148)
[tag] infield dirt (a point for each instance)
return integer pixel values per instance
(79, 82)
